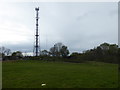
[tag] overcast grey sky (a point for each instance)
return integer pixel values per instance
(78, 25)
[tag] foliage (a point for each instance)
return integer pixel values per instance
(59, 50)
(17, 55)
(44, 53)
(64, 51)
(105, 53)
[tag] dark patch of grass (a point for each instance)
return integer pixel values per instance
(32, 73)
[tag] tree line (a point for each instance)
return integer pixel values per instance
(105, 52)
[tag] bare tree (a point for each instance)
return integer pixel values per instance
(8, 52)
(58, 46)
(5, 51)
(52, 51)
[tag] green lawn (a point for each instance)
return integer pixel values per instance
(0, 74)
(31, 74)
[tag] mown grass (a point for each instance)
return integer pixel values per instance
(31, 74)
(0, 74)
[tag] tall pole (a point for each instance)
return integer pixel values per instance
(37, 35)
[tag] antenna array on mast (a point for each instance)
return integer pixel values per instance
(36, 50)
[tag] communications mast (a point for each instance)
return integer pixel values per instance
(36, 50)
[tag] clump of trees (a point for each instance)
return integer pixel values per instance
(6, 54)
(59, 50)
(105, 52)
(56, 53)
(17, 55)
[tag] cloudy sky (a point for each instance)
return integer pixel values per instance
(78, 25)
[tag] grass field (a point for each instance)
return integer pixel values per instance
(31, 74)
(0, 74)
